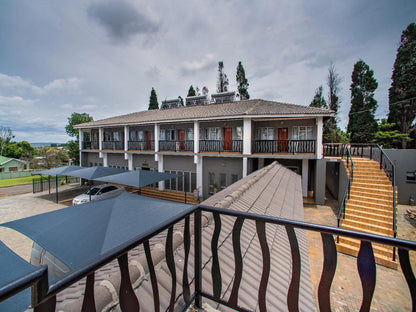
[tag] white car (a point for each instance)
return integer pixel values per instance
(98, 192)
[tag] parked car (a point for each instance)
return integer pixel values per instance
(98, 192)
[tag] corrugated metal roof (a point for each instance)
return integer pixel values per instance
(225, 110)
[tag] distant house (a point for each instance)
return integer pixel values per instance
(12, 164)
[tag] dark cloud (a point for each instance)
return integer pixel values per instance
(123, 19)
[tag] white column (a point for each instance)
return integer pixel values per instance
(81, 138)
(105, 159)
(196, 137)
(199, 174)
(161, 169)
(126, 138)
(245, 166)
(100, 141)
(130, 161)
(157, 131)
(247, 136)
(305, 171)
(319, 134)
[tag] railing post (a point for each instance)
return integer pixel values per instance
(198, 259)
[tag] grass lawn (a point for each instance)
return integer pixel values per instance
(16, 181)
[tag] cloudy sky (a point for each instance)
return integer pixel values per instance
(103, 57)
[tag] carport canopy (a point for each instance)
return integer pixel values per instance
(58, 171)
(138, 178)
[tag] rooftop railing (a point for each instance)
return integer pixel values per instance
(284, 146)
(191, 290)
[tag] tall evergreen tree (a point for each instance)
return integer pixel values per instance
(242, 82)
(191, 91)
(222, 83)
(153, 103)
(318, 99)
(402, 94)
(362, 124)
(330, 127)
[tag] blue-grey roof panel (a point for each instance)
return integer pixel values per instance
(138, 178)
(58, 171)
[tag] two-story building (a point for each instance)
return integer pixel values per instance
(212, 143)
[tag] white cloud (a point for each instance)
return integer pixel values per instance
(70, 84)
(206, 62)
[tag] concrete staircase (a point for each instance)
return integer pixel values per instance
(369, 209)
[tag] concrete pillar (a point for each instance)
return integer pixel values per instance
(105, 159)
(196, 137)
(130, 160)
(160, 168)
(199, 174)
(245, 166)
(100, 138)
(247, 136)
(319, 134)
(157, 131)
(126, 138)
(81, 138)
(305, 173)
(320, 180)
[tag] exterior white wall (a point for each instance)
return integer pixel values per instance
(105, 159)
(126, 138)
(245, 167)
(247, 137)
(199, 174)
(305, 172)
(196, 137)
(157, 131)
(319, 135)
(160, 168)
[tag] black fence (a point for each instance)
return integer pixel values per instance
(284, 146)
(40, 184)
(221, 146)
(176, 146)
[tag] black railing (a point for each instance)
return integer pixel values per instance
(90, 145)
(44, 295)
(220, 146)
(284, 146)
(113, 145)
(177, 146)
(142, 145)
(347, 192)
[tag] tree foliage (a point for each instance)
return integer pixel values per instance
(76, 119)
(51, 156)
(153, 103)
(402, 93)
(318, 99)
(388, 136)
(362, 124)
(331, 129)
(242, 82)
(191, 91)
(6, 135)
(19, 150)
(222, 82)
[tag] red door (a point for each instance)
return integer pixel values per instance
(228, 139)
(148, 140)
(282, 136)
(181, 139)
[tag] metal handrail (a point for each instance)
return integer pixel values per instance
(347, 191)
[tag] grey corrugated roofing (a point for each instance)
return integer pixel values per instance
(226, 110)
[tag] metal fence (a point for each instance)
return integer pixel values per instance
(40, 184)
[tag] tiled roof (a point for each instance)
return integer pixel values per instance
(226, 110)
(274, 191)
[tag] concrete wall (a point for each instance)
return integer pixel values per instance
(89, 158)
(405, 161)
(218, 165)
(145, 161)
(117, 160)
(332, 178)
(320, 174)
(182, 163)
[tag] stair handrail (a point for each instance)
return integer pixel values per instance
(347, 192)
(385, 162)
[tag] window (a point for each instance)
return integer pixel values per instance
(411, 177)
(211, 182)
(234, 178)
(239, 133)
(170, 135)
(162, 134)
(116, 136)
(140, 136)
(190, 134)
(13, 169)
(212, 134)
(133, 136)
(223, 181)
(302, 133)
(265, 133)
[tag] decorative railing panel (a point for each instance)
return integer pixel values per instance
(220, 146)
(177, 146)
(44, 296)
(141, 145)
(90, 145)
(284, 146)
(113, 145)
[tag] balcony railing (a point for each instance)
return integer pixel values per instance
(113, 145)
(221, 146)
(177, 146)
(142, 145)
(284, 146)
(90, 145)
(191, 290)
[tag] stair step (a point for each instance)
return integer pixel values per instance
(372, 215)
(364, 194)
(367, 182)
(351, 225)
(368, 220)
(381, 260)
(386, 251)
(369, 208)
(368, 200)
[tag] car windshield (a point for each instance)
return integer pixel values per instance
(92, 191)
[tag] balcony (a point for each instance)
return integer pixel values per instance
(221, 146)
(187, 288)
(176, 146)
(284, 146)
(90, 145)
(113, 145)
(141, 145)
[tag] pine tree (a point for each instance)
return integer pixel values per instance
(330, 128)
(318, 99)
(191, 91)
(362, 124)
(153, 103)
(242, 82)
(402, 94)
(222, 83)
